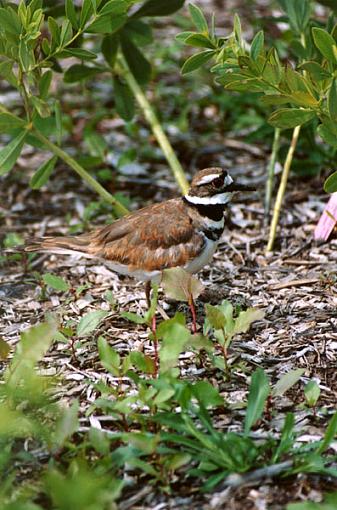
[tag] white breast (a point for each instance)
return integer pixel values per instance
(205, 256)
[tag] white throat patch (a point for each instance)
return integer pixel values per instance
(221, 198)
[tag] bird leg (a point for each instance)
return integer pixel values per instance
(193, 313)
(153, 328)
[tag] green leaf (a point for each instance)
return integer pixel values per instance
(66, 33)
(216, 318)
(138, 64)
(290, 117)
(325, 43)
(196, 61)
(311, 392)
(71, 13)
(96, 144)
(138, 31)
(180, 285)
(55, 32)
(55, 282)
(287, 381)
(10, 21)
(298, 12)
(77, 53)
(330, 434)
(158, 8)
(44, 83)
(107, 24)
(6, 70)
(10, 153)
(246, 319)
(5, 349)
(258, 393)
(9, 121)
(198, 18)
(124, 99)
(133, 317)
(316, 70)
(199, 41)
(328, 132)
(41, 106)
(86, 12)
(79, 72)
(330, 185)
(89, 322)
(257, 47)
(109, 357)
(110, 44)
(66, 426)
(332, 101)
(43, 173)
(58, 121)
(206, 394)
(175, 339)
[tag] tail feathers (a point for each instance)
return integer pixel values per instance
(66, 245)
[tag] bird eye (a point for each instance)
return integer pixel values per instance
(218, 182)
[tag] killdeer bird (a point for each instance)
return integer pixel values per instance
(182, 232)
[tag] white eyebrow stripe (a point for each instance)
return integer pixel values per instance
(208, 178)
(220, 198)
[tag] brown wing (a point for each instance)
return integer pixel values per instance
(156, 237)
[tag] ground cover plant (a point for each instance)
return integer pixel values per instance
(96, 411)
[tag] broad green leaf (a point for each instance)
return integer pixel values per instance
(90, 322)
(199, 41)
(287, 381)
(96, 144)
(10, 153)
(43, 173)
(113, 8)
(40, 106)
(5, 349)
(258, 393)
(184, 35)
(86, 12)
(66, 33)
(66, 426)
(328, 132)
(55, 32)
(311, 392)
(179, 284)
(330, 185)
(206, 394)
(138, 64)
(173, 344)
(287, 437)
(110, 44)
(257, 46)
(198, 18)
(9, 121)
(315, 69)
(325, 43)
(79, 72)
(298, 12)
(124, 99)
(330, 434)
(107, 24)
(216, 318)
(158, 8)
(44, 83)
(142, 362)
(10, 21)
(286, 118)
(55, 282)
(110, 358)
(71, 13)
(245, 319)
(332, 101)
(6, 70)
(32, 347)
(138, 31)
(77, 53)
(163, 396)
(133, 317)
(196, 61)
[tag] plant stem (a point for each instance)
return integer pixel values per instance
(271, 172)
(118, 207)
(282, 188)
(156, 127)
